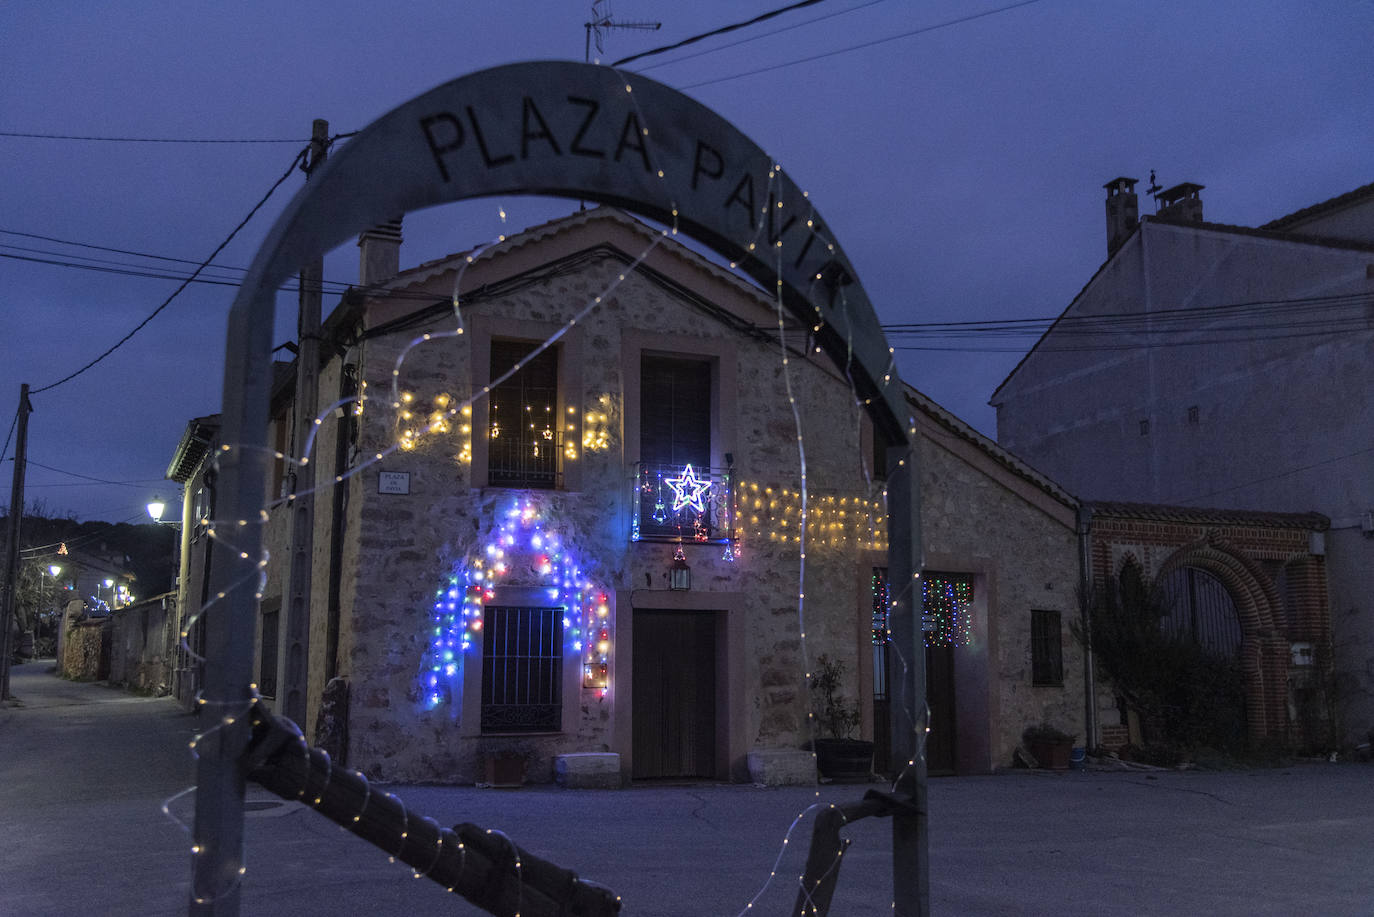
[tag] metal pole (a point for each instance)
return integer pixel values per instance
(910, 829)
(21, 445)
(296, 646)
(1085, 583)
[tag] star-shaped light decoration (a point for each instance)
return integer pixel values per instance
(689, 490)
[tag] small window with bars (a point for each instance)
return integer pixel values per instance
(522, 669)
(1047, 649)
(523, 439)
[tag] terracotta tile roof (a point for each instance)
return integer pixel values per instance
(1157, 512)
(1326, 206)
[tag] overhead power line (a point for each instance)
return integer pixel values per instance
(859, 47)
(5, 452)
(751, 38)
(34, 136)
(762, 17)
(168, 301)
(87, 477)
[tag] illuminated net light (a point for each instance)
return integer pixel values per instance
(947, 609)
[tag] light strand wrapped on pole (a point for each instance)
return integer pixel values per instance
(483, 866)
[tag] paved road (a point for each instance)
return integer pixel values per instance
(84, 771)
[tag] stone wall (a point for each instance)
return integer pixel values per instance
(142, 641)
(1020, 545)
(407, 545)
(81, 651)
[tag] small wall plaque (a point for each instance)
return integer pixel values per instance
(393, 482)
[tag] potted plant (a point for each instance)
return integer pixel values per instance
(839, 756)
(1050, 747)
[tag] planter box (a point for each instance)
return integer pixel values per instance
(845, 760)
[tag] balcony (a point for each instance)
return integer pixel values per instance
(680, 503)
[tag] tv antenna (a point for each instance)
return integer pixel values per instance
(602, 21)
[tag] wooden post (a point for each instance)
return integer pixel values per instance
(21, 445)
(296, 647)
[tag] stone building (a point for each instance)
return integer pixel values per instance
(1212, 365)
(595, 547)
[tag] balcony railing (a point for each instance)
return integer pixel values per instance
(526, 460)
(680, 503)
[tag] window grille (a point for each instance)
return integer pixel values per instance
(522, 669)
(523, 442)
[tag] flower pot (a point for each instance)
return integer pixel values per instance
(844, 759)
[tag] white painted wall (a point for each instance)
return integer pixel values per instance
(1284, 424)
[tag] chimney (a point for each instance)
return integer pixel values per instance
(379, 253)
(1180, 203)
(1123, 211)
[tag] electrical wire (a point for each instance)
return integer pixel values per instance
(5, 452)
(1275, 477)
(88, 477)
(33, 136)
(131, 269)
(859, 47)
(745, 41)
(762, 17)
(299, 157)
(80, 539)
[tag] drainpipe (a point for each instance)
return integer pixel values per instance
(1085, 515)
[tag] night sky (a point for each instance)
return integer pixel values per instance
(960, 166)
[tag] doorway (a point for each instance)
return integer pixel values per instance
(940, 741)
(673, 718)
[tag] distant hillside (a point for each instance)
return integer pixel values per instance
(150, 548)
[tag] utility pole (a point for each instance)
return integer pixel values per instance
(21, 445)
(301, 501)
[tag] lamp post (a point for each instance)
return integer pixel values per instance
(109, 584)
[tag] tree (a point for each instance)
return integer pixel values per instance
(1185, 695)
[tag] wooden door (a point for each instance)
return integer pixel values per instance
(940, 743)
(674, 695)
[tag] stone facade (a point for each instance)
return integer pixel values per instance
(415, 544)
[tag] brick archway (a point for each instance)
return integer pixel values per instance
(1264, 648)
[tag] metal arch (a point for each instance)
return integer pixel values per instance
(554, 128)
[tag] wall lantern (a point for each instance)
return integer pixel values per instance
(679, 574)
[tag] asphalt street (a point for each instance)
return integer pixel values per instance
(86, 770)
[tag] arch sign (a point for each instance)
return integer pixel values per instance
(571, 130)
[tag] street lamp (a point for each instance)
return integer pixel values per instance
(155, 510)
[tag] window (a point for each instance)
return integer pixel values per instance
(674, 433)
(1047, 649)
(522, 669)
(267, 669)
(674, 412)
(523, 441)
